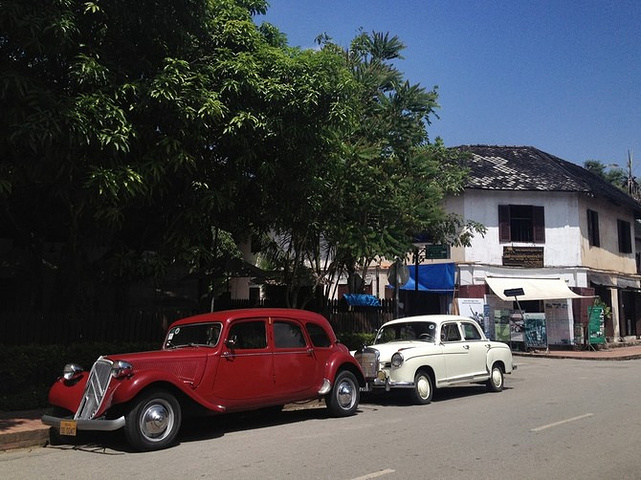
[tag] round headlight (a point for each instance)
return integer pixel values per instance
(121, 369)
(397, 359)
(71, 371)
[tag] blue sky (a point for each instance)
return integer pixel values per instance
(559, 75)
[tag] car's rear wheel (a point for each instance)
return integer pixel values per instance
(496, 380)
(423, 389)
(153, 421)
(343, 400)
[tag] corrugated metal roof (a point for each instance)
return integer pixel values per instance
(522, 168)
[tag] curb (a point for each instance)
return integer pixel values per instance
(38, 437)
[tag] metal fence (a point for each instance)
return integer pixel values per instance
(23, 328)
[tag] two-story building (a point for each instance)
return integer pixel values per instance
(554, 226)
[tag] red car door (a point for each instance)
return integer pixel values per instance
(296, 368)
(245, 375)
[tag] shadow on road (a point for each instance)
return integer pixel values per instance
(196, 429)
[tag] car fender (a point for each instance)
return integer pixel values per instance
(342, 360)
(499, 354)
(128, 388)
(68, 394)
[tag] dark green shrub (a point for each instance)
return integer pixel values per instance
(354, 341)
(27, 371)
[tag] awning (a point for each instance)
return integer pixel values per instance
(533, 288)
(434, 278)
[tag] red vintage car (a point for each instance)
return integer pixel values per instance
(224, 361)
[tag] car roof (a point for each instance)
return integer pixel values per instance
(228, 315)
(438, 319)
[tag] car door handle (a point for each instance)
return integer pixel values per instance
(466, 347)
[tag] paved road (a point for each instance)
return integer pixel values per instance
(557, 419)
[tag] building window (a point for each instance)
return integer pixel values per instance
(521, 223)
(625, 237)
(593, 228)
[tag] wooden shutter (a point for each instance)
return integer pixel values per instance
(538, 222)
(504, 224)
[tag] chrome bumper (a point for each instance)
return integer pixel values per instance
(387, 384)
(97, 425)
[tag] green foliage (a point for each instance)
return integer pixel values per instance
(354, 341)
(612, 173)
(133, 134)
(27, 372)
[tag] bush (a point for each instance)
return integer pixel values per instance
(354, 341)
(28, 371)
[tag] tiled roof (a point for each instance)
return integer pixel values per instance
(529, 169)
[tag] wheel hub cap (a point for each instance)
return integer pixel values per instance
(345, 394)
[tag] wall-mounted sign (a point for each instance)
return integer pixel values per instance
(436, 251)
(526, 257)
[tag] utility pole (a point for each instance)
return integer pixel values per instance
(630, 184)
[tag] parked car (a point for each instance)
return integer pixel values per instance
(433, 351)
(225, 362)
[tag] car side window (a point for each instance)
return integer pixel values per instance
(318, 335)
(247, 335)
(288, 335)
(450, 333)
(471, 331)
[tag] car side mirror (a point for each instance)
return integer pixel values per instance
(231, 341)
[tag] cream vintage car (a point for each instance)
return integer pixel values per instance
(433, 351)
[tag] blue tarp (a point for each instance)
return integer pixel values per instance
(434, 278)
(361, 300)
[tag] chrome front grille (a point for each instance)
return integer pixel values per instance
(368, 358)
(95, 389)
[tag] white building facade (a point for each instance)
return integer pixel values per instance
(547, 218)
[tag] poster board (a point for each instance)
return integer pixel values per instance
(502, 325)
(559, 322)
(596, 325)
(535, 330)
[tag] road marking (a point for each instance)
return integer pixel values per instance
(556, 424)
(374, 475)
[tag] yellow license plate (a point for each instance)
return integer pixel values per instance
(68, 427)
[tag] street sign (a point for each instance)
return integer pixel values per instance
(398, 274)
(513, 292)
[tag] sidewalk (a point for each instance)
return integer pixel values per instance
(25, 430)
(630, 352)
(22, 430)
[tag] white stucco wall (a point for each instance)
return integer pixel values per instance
(562, 247)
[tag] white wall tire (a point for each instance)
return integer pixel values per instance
(423, 389)
(497, 379)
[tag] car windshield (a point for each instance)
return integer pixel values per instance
(402, 332)
(206, 334)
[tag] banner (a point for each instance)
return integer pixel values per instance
(596, 325)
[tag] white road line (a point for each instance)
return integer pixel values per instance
(374, 475)
(556, 424)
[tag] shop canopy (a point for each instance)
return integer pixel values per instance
(433, 278)
(527, 288)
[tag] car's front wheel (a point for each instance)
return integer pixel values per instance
(153, 421)
(345, 395)
(423, 389)
(495, 382)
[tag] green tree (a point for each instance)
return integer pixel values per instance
(392, 180)
(612, 173)
(133, 132)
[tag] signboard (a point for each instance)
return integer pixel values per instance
(596, 325)
(436, 251)
(502, 325)
(526, 257)
(535, 330)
